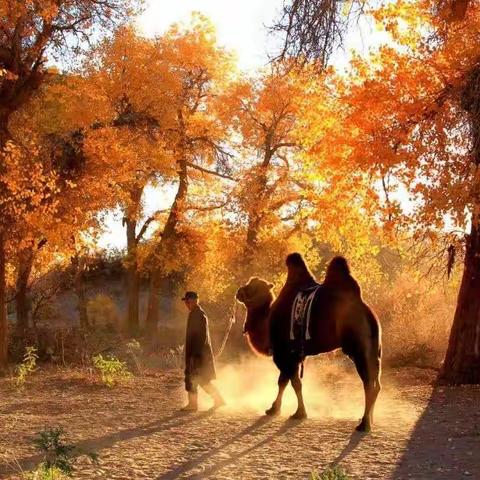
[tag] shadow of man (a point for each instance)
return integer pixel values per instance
(94, 445)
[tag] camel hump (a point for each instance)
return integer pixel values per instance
(339, 265)
(338, 275)
(298, 272)
(295, 260)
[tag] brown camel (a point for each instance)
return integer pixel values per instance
(339, 319)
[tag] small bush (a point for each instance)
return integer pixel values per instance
(45, 473)
(335, 473)
(59, 457)
(112, 370)
(28, 366)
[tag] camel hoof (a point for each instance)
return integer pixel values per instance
(363, 426)
(299, 415)
(272, 411)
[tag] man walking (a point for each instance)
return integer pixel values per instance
(199, 362)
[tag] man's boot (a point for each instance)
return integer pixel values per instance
(218, 400)
(192, 405)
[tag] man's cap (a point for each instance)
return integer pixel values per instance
(190, 296)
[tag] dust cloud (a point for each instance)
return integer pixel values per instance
(331, 389)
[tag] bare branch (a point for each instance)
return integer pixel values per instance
(147, 223)
(312, 29)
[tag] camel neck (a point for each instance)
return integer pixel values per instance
(258, 321)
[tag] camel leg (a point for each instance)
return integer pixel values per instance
(369, 371)
(277, 404)
(377, 386)
(301, 413)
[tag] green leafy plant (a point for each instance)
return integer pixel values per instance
(112, 370)
(45, 473)
(28, 366)
(335, 473)
(59, 457)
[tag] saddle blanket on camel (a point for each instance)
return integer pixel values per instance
(301, 312)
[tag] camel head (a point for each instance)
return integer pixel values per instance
(256, 293)
(257, 297)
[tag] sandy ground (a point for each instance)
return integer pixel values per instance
(421, 432)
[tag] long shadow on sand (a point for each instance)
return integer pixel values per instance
(445, 442)
(191, 464)
(177, 419)
(354, 441)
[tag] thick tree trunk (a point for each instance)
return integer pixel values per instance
(133, 284)
(4, 132)
(4, 136)
(259, 197)
(3, 305)
(22, 305)
(462, 362)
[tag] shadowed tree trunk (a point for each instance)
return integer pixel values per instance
(3, 305)
(22, 307)
(462, 362)
(133, 281)
(4, 136)
(80, 290)
(133, 284)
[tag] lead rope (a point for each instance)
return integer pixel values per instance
(229, 328)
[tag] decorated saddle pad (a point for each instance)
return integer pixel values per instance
(301, 312)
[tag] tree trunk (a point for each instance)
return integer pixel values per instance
(169, 233)
(3, 305)
(80, 290)
(259, 197)
(4, 132)
(4, 136)
(462, 362)
(133, 284)
(22, 306)
(251, 246)
(165, 285)
(153, 307)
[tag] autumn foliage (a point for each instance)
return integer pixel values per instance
(382, 157)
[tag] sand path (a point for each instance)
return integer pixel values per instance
(421, 432)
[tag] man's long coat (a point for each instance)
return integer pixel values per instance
(199, 362)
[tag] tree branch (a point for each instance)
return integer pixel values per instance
(211, 172)
(147, 222)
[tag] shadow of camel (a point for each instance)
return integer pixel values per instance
(96, 444)
(187, 466)
(445, 441)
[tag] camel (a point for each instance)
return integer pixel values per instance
(339, 319)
